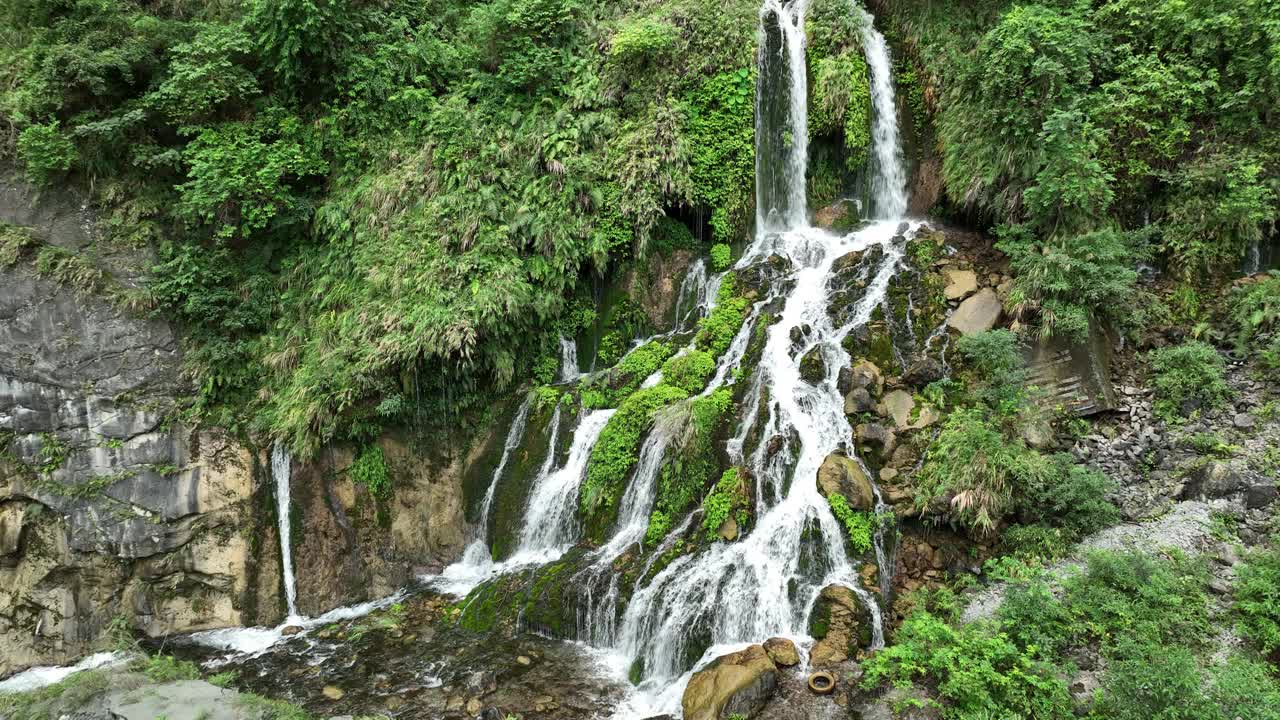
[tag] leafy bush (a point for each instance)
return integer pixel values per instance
(858, 526)
(728, 499)
(689, 371)
(369, 469)
(45, 152)
(641, 39)
(717, 330)
(1220, 202)
(973, 463)
(1147, 680)
(1057, 492)
(721, 257)
(1257, 601)
(1188, 378)
(979, 671)
(996, 358)
(615, 452)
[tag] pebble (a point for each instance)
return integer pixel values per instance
(1243, 421)
(524, 660)
(333, 693)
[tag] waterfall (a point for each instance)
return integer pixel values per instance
(550, 522)
(889, 179)
(280, 471)
(782, 117)
(514, 436)
(569, 360)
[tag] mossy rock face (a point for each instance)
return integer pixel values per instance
(545, 599)
(813, 366)
(511, 497)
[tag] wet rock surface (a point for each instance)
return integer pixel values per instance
(413, 661)
(736, 684)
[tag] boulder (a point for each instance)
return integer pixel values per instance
(876, 437)
(728, 530)
(1214, 479)
(867, 375)
(924, 371)
(813, 366)
(901, 406)
(977, 314)
(858, 401)
(736, 684)
(840, 475)
(960, 284)
(1260, 496)
(782, 651)
(842, 625)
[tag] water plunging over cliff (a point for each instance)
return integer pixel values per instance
(281, 468)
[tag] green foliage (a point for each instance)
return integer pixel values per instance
(721, 128)
(1254, 310)
(166, 668)
(689, 371)
(45, 152)
(1257, 600)
(14, 243)
(724, 502)
(1153, 681)
(1059, 493)
(693, 461)
(1219, 204)
(721, 257)
(717, 330)
(973, 463)
(996, 358)
(1069, 281)
(642, 39)
(614, 453)
(1143, 112)
(858, 526)
(841, 103)
(1187, 378)
(980, 672)
(369, 470)
(659, 526)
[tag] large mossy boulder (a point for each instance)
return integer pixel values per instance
(738, 684)
(840, 475)
(842, 625)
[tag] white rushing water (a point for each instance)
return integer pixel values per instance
(38, 677)
(550, 522)
(281, 468)
(569, 360)
(766, 584)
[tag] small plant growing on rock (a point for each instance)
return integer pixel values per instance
(721, 257)
(1257, 603)
(1188, 378)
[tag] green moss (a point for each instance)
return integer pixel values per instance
(693, 465)
(729, 497)
(370, 470)
(615, 453)
(689, 371)
(716, 330)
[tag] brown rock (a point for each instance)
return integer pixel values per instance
(977, 314)
(782, 651)
(840, 475)
(736, 684)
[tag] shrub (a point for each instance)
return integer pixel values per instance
(973, 462)
(721, 257)
(979, 671)
(858, 526)
(370, 470)
(1146, 680)
(1135, 596)
(1218, 207)
(1257, 601)
(996, 359)
(1188, 378)
(1244, 688)
(689, 371)
(1060, 493)
(45, 151)
(642, 39)
(717, 330)
(729, 498)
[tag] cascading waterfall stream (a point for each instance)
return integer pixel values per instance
(569, 360)
(281, 468)
(766, 583)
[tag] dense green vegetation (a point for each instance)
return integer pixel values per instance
(983, 465)
(1148, 618)
(1095, 134)
(378, 213)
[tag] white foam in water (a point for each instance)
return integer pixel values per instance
(253, 641)
(39, 677)
(569, 360)
(550, 522)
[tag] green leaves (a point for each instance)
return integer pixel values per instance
(45, 151)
